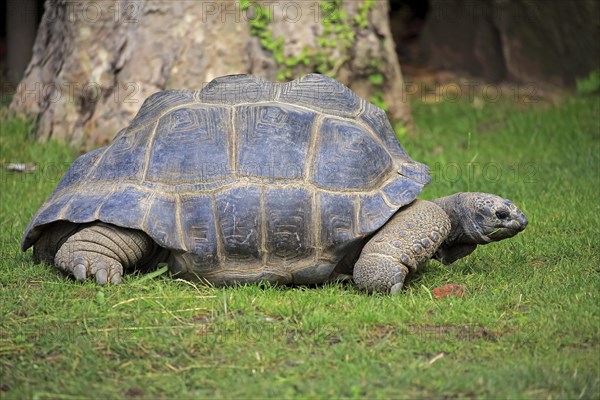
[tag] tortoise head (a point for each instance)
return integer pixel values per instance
(478, 218)
(490, 218)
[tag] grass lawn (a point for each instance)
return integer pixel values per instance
(527, 325)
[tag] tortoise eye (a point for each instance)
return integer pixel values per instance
(502, 214)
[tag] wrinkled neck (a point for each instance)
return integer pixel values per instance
(455, 209)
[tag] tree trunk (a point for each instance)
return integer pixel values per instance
(94, 62)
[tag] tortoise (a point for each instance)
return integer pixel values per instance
(248, 180)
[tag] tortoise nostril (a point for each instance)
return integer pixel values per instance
(502, 214)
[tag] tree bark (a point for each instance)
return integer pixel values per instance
(95, 62)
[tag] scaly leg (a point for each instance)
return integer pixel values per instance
(100, 250)
(409, 239)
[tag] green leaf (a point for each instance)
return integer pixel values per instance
(376, 79)
(154, 274)
(244, 4)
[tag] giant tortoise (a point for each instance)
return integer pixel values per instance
(248, 180)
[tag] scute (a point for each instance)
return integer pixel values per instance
(273, 140)
(323, 94)
(199, 234)
(123, 159)
(376, 119)
(338, 227)
(374, 212)
(53, 207)
(162, 223)
(189, 144)
(124, 206)
(415, 171)
(349, 158)
(160, 102)
(78, 172)
(238, 89)
(401, 191)
(51, 210)
(83, 208)
(288, 213)
(239, 216)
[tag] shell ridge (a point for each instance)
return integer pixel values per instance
(263, 226)
(178, 224)
(149, 151)
(313, 143)
(217, 228)
(316, 225)
(144, 222)
(233, 143)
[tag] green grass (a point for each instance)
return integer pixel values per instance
(527, 326)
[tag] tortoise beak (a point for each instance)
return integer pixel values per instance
(518, 221)
(522, 220)
(510, 226)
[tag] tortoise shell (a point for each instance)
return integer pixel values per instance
(245, 176)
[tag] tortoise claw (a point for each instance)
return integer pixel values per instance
(80, 272)
(102, 277)
(116, 278)
(110, 272)
(83, 266)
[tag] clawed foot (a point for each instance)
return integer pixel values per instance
(103, 268)
(97, 250)
(379, 273)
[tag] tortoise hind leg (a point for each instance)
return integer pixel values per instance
(55, 235)
(104, 252)
(408, 240)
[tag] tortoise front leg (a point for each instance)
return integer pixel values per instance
(103, 251)
(409, 239)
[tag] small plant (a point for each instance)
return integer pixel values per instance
(336, 38)
(589, 85)
(259, 25)
(362, 18)
(377, 80)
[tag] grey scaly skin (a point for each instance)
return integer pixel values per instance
(446, 229)
(97, 250)
(477, 218)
